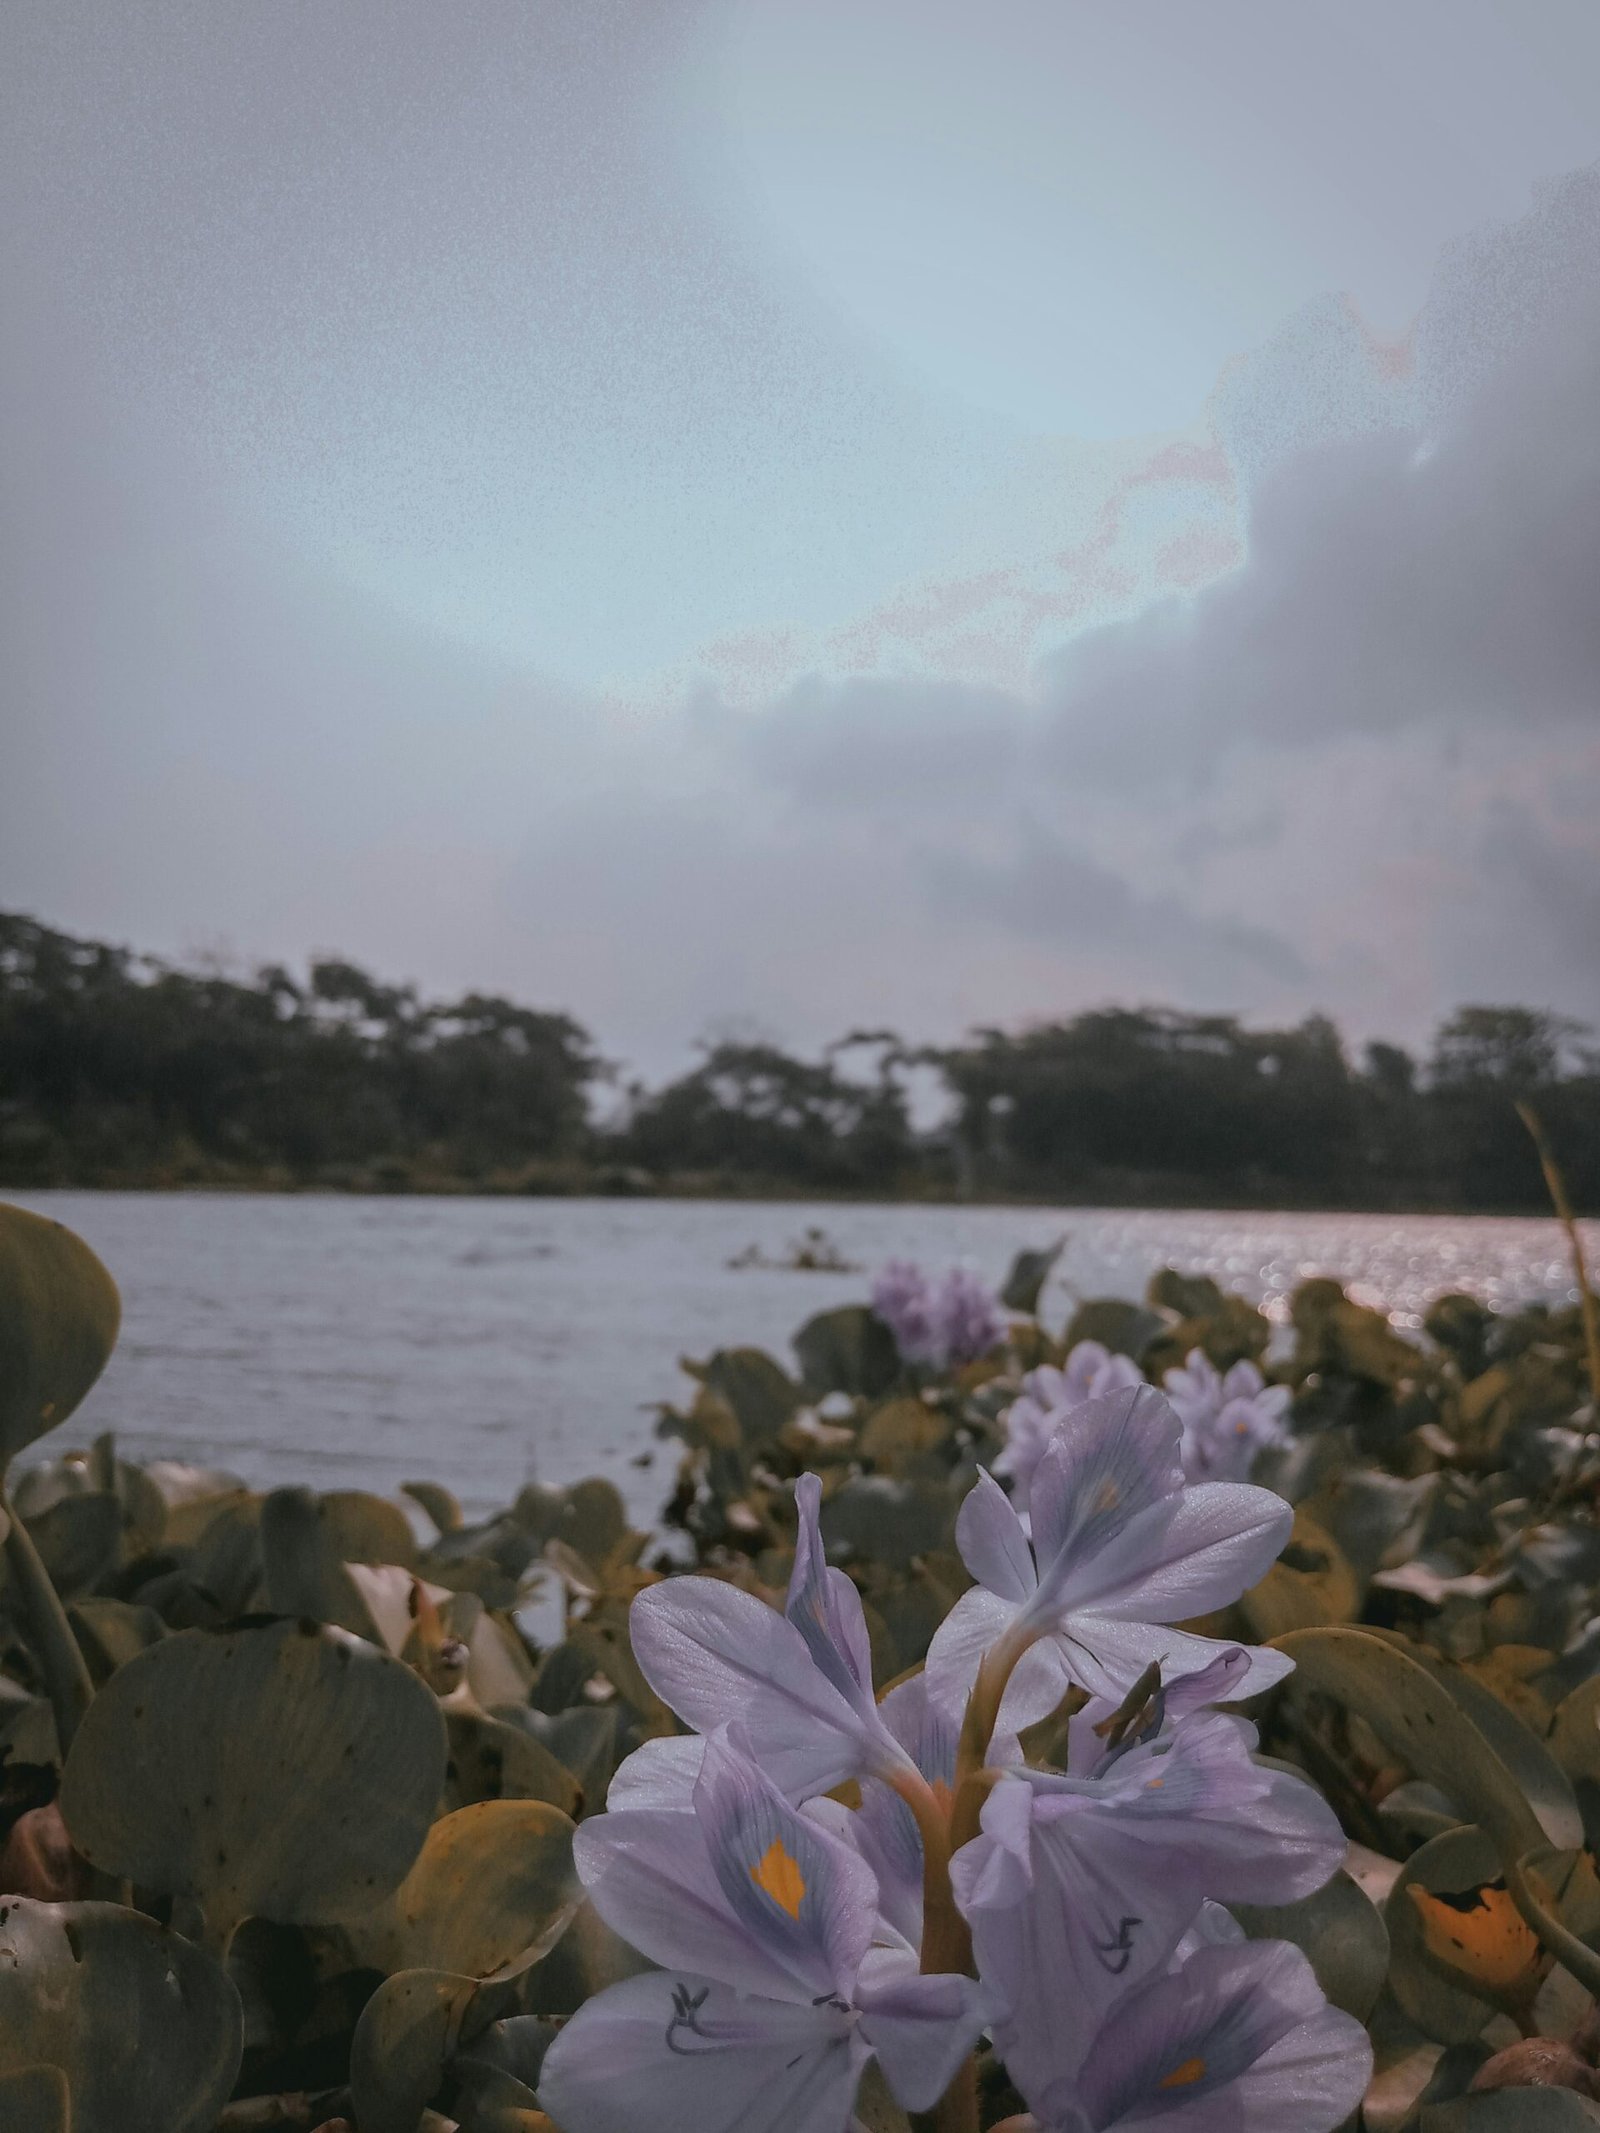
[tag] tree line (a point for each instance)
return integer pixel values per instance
(118, 1068)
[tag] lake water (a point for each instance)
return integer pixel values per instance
(364, 1342)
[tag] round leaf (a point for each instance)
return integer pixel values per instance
(146, 2028)
(493, 1761)
(847, 1350)
(1455, 1938)
(1412, 1713)
(35, 2100)
(285, 1772)
(59, 1314)
(1342, 1935)
(1309, 1585)
(402, 2045)
(491, 1890)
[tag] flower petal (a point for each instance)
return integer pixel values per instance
(1079, 1888)
(1224, 1537)
(825, 1606)
(1110, 1460)
(992, 1543)
(1106, 1656)
(659, 1773)
(807, 1900)
(920, 2028)
(715, 1654)
(652, 1878)
(1237, 2037)
(683, 2054)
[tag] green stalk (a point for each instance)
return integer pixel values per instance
(66, 1672)
(1570, 1952)
(1557, 1186)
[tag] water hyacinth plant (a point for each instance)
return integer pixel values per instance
(1141, 1725)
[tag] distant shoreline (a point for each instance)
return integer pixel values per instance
(1156, 1196)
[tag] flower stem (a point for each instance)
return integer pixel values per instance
(61, 1660)
(982, 1714)
(1588, 1307)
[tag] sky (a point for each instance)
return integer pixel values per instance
(786, 515)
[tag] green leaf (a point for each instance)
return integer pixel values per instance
(492, 1761)
(1415, 1716)
(1438, 2002)
(1185, 1295)
(1342, 1935)
(762, 1396)
(112, 1632)
(1535, 1771)
(1513, 2111)
(364, 1528)
(35, 2099)
(1124, 1328)
(402, 2045)
(1026, 1277)
(305, 1570)
(1574, 1738)
(59, 1314)
(1310, 1585)
(285, 1772)
(78, 1539)
(443, 1508)
(491, 1891)
(593, 1518)
(146, 2028)
(847, 1350)
(888, 1521)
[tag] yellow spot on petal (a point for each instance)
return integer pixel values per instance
(1185, 2076)
(779, 1877)
(1109, 1497)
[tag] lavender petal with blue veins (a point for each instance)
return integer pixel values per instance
(1081, 1885)
(1234, 2037)
(767, 2007)
(1121, 1548)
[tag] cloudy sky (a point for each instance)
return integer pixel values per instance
(796, 513)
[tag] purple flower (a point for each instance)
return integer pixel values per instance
(800, 1683)
(771, 1997)
(1226, 1420)
(1081, 1886)
(883, 1829)
(955, 1320)
(1091, 1373)
(1120, 1548)
(1235, 2037)
(902, 1296)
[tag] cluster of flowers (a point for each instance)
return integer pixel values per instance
(1225, 1420)
(826, 1880)
(955, 1319)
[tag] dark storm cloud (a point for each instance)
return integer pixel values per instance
(1046, 891)
(1443, 571)
(884, 744)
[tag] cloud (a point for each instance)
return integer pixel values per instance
(1438, 571)
(1357, 769)
(1047, 890)
(873, 744)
